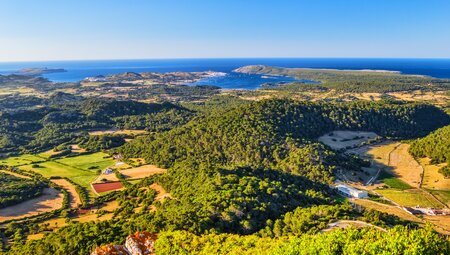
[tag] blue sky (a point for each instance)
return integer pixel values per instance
(137, 29)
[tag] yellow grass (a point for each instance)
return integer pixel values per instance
(76, 148)
(404, 166)
(142, 171)
(35, 236)
(50, 200)
(411, 197)
(93, 217)
(442, 221)
(161, 192)
(432, 179)
(393, 210)
(111, 206)
(75, 200)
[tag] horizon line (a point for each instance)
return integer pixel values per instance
(204, 58)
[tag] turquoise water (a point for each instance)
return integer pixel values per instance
(78, 70)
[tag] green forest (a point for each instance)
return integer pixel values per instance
(14, 190)
(435, 146)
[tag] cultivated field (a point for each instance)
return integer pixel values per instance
(50, 200)
(346, 139)
(81, 169)
(142, 171)
(74, 198)
(411, 197)
(105, 187)
(442, 195)
(98, 160)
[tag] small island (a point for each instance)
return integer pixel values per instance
(36, 71)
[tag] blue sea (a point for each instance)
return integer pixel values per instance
(78, 70)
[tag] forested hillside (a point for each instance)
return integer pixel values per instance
(41, 124)
(279, 133)
(250, 173)
(435, 146)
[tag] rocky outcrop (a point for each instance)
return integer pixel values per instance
(140, 243)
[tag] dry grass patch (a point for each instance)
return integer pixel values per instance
(118, 132)
(93, 217)
(35, 236)
(393, 210)
(161, 192)
(74, 198)
(432, 179)
(404, 166)
(76, 148)
(441, 221)
(50, 200)
(142, 171)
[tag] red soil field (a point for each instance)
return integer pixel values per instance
(103, 187)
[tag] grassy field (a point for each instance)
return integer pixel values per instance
(100, 160)
(80, 169)
(393, 181)
(442, 195)
(411, 197)
(21, 160)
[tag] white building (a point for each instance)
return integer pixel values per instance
(351, 192)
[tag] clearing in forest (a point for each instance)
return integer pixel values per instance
(432, 179)
(346, 139)
(161, 192)
(118, 132)
(51, 200)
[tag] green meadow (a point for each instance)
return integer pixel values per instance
(80, 169)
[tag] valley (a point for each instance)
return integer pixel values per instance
(141, 152)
